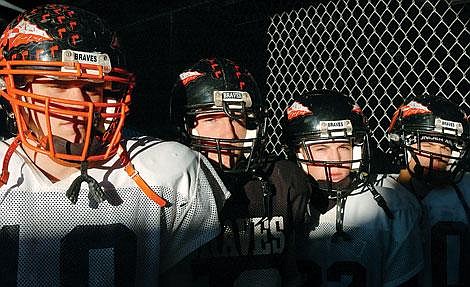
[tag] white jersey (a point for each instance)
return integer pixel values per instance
(381, 252)
(448, 228)
(45, 240)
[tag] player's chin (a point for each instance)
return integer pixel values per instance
(434, 170)
(338, 178)
(338, 174)
(227, 161)
(76, 137)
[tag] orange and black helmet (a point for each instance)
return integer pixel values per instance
(65, 43)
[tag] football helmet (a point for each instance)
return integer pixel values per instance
(423, 119)
(65, 43)
(218, 85)
(326, 117)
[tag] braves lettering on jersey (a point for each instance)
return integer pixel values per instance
(255, 250)
(124, 241)
(448, 232)
(381, 252)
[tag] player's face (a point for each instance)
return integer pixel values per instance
(440, 156)
(220, 126)
(334, 154)
(69, 127)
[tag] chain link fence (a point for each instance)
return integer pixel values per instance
(379, 52)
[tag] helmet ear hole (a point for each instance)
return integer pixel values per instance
(251, 123)
(194, 132)
(357, 157)
(21, 82)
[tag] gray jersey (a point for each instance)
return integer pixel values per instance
(381, 252)
(447, 230)
(45, 240)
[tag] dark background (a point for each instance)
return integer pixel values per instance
(377, 51)
(161, 38)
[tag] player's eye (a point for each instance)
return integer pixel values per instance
(93, 88)
(345, 147)
(319, 148)
(208, 120)
(445, 150)
(426, 145)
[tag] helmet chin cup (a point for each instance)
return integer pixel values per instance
(64, 146)
(338, 189)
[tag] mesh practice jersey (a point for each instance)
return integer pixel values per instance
(381, 252)
(254, 250)
(127, 240)
(447, 245)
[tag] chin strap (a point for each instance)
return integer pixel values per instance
(6, 160)
(269, 192)
(268, 189)
(340, 233)
(95, 190)
(134, 174)
(381, 201)
(462, 201)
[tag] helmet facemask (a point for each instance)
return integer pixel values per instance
(353, 160)
(436, 157)
(100, 121)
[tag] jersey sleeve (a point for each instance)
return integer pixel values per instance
(186, 179)
(192, 219)
(404, 249)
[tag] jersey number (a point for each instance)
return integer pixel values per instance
(439, 234)
(74, 249)
(313, 274)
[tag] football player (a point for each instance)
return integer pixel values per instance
(369, 235)
(430, 137)
(146, 204)
(220, 112)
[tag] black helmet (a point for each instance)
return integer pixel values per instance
(46, 32)
(427, 118)
(220, 85)
(324, 116)
(65, 43)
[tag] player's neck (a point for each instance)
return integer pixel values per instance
(404, 176)
(53, 170)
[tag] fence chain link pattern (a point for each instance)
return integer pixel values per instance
(379, 52)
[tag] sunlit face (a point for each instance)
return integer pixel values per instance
(69, 127)
(220, 126)
(440, 156)
(331, 152)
